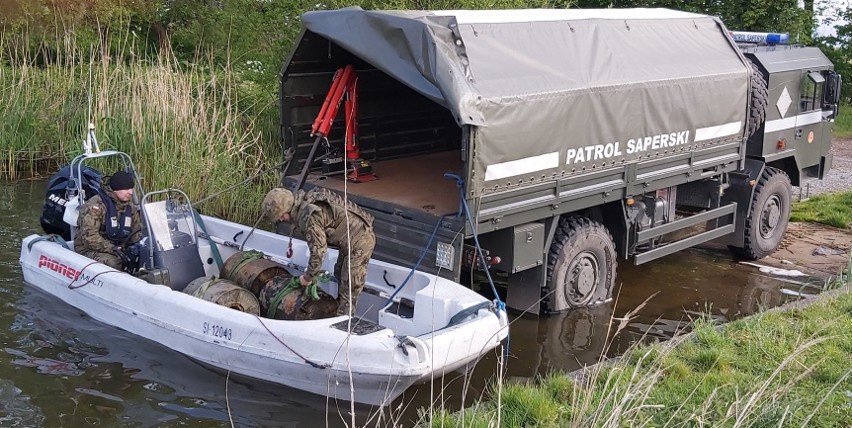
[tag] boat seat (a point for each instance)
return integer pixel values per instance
(428, 311)
(182, 262)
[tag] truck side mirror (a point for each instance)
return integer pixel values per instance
(832, 88)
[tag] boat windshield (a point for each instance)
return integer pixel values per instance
(170, 224)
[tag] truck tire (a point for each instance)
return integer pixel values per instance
(768, 216)
(581, 265)
(759, 100)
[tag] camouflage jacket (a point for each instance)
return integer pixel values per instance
(90, 233)
(321, 216)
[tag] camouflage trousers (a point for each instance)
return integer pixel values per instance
(108, 259)
(351, 270)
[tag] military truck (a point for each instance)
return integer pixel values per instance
(573, 137)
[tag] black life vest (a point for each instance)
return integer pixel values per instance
(116, 228)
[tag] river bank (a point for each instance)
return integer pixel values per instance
(785, 367)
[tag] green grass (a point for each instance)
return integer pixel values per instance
(833, 209)
(777, 369)
(843, 123)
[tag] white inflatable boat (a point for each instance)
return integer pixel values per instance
(372, 357)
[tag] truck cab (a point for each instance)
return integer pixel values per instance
(802, 102)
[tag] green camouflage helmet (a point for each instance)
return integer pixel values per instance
(277, 202)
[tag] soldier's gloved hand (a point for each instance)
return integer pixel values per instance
(125, 259)
(306, 280)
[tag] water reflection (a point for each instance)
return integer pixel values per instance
(16, 409)
(565, 341)
(654, 302)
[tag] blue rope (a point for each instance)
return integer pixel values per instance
(499, 303)
(419, 260)
(466, 209)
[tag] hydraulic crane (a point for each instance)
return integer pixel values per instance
(344, 90)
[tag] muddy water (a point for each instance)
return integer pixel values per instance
(59, 367)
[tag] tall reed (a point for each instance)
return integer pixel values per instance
(185, 125)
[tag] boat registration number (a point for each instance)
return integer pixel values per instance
(216, 330)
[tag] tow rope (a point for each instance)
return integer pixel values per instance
(52, 238)
(311, 363)
(500, 306)
(466, 210)
(417, 264)
(312, 291)
(247, 257)
(283, 166)
(213, 248)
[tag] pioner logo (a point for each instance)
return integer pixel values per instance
(62, 269)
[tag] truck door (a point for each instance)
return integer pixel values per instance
(810, 129)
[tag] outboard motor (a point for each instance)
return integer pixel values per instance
(170, 246)
(58, 196)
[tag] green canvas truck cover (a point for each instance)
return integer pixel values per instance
(554, 93)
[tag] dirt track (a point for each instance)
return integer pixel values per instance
(808, 246)
(815, 249)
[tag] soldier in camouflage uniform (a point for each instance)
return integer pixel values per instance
(321, 215)
(106, 228)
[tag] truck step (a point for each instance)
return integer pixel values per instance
(728, 211)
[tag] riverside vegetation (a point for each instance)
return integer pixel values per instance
(184, 125)
(833, 209)
(790, 368)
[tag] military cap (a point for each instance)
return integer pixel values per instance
(121, 180)
(277, 202)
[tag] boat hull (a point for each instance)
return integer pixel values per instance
(318, 356)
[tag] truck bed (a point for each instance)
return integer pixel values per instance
(415, 183)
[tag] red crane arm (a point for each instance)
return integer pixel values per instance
(344, 90)
(342, 84)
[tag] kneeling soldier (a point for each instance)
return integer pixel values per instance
(321, 215)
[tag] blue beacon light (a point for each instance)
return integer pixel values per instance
(760, 38)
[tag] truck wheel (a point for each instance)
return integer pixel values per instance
(581, 265)
(759, 100)
(768, 217)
